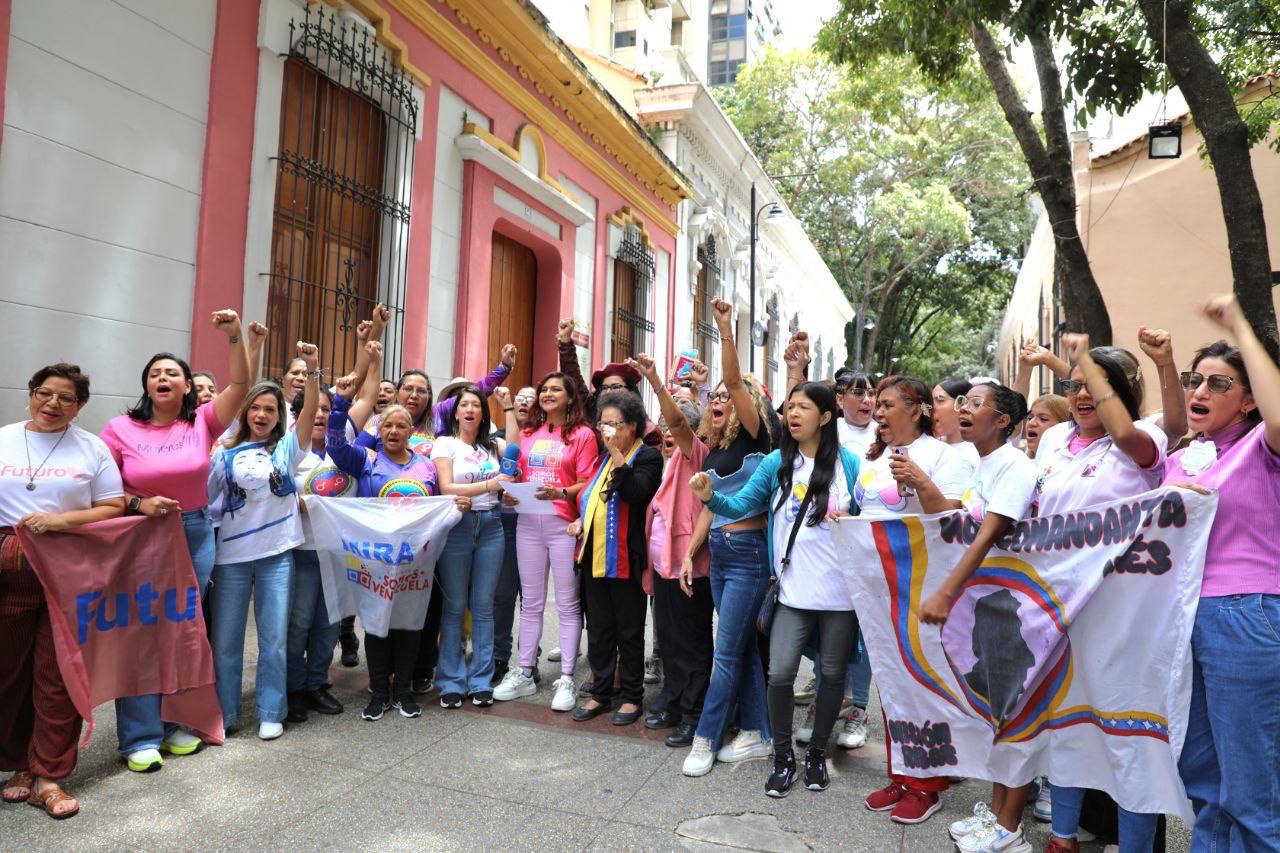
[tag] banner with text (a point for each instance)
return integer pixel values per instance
(378, 556)
(1068, 653)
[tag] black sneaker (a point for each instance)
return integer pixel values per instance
(815, 769)
(783, 777)
(451, 700)
(482, 698)
(420, 686)
(375, 709)
(408, 707)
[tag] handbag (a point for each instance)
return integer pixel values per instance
(764, 618)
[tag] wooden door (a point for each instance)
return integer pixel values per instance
(513, 285)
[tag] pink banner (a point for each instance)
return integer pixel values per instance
(126, 618)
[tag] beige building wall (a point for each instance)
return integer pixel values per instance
(1156, 238)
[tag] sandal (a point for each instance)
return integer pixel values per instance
(23, 781)
(50, 799)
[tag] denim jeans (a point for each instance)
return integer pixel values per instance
(1137, 831)
(504, 595)
(268, 580)
(739, 579)
(1229, 764)
(138, 723)
(311, 637)
(468, 572)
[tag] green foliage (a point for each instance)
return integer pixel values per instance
(911, 191)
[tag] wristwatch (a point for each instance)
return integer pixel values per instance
(134, 503)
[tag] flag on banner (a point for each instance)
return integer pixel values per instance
(125, 611)
(1068, 653)
(378, 556)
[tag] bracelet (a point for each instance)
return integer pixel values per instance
(316, 374)
(235, 339)
(507, 408)
(1104, 398)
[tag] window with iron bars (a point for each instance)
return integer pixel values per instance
(345, 160)
(633, 274)
(706, 335)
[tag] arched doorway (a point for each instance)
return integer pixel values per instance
(513, 288)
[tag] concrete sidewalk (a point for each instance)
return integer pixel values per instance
(516, 776)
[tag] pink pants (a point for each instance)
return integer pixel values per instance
(541, 541)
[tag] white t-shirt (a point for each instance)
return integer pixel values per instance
(267, 524)
(817, 578)
(1005, 485)
(1099, 473)
(470, 465)
(74, 476)
(969, 456)
(877, 491)
(856, 439)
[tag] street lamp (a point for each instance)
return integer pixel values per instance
(775, 213)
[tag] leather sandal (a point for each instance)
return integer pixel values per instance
(21, 780)
(49, 800)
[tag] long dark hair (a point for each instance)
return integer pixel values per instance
(1224, 351)
(241, 433)
(426, 422)
(1128, 387)
(913, 391)
(484, 435)
(575, 414)
(826, 460)
(144, 411)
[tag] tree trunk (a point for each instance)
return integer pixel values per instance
(1051, 170)
(1213, 105)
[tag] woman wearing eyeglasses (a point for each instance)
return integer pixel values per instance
(53, 476)
(1228, 761)
(162, 446)
(1104, 454)
(252, 474)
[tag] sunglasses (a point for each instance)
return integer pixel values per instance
(1218, 384)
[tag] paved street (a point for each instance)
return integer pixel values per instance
(515, 776)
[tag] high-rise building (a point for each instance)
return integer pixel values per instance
(737, 30)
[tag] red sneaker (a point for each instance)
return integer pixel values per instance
(886, 798)
(915, 806)
(1062, 845)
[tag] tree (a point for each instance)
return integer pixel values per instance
(906, 189)
(939, 37)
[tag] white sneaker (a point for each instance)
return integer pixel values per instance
(1043, 809)
(270, 731)
(181, 743)
(745, 746)
(565, 696)
(514, 685)
(854, 733)
(982, 816)
(700, 758)
(144, 760)
(994, 838)
(554, 655)
(804, 734)
(805, 694)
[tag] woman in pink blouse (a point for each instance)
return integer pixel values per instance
(1228, 761)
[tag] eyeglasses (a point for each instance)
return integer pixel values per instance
(614, 386)
(44, 395)
(1218, 384)
(718, 397)
(614, 424)
(857, 393)
(972, 404)
(524, 398)
(416, 392)
(1069, 387)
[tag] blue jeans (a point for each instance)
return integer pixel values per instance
(1229, 764)
(508, 588)
(138, 723)
(311, 637)
(1137, 831)
(468, 574)
(268, 580)
(739, 579)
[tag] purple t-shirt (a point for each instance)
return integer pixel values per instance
(170, 461)
(1240, 558)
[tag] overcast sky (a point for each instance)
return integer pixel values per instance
(801, 20)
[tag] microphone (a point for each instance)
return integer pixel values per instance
(510, 464)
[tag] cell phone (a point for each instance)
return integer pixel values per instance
(904, 490)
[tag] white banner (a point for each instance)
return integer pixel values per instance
(378, 556)
(1067, 654)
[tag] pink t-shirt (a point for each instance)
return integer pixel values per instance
(1240, 557)
(171, 461)
(546, 458)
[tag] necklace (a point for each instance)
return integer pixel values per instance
(31, 482)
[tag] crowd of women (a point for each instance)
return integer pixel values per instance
(718, 520)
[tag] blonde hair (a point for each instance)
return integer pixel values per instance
(1058, 407)
(395, 409)
(722, 438)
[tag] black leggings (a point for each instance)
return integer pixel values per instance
(392, 654)
(787, 640)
